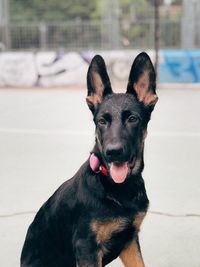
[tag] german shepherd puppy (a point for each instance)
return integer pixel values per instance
(95, 216)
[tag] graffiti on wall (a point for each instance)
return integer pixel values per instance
(41, 69)
(50, 69)
(180, 66)
(16, 69)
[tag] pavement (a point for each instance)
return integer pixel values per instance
(45, 135)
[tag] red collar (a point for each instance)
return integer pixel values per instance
(96, 165)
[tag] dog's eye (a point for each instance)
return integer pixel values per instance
(132, 119)
(102, 121)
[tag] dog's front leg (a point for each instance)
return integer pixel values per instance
(87, 254)
(131, 255)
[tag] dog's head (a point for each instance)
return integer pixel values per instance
(121, 119)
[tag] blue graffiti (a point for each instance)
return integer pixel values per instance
(180, 66)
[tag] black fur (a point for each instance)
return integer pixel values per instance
(63, 233)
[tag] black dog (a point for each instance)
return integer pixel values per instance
(96, 216)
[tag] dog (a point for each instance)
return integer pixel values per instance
(95, 216)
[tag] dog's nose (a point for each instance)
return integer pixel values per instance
(114, 152)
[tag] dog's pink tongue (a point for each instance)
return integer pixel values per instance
(118, 172)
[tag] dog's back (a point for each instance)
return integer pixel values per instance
(96, 216)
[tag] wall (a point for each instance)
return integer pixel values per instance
(180, 66)
(27, 69)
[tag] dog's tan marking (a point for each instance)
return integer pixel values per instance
(131, 256)
(103, 230)
(138, 160)
(97, 83)
(93, 100)
(142, 89)
(144, 134)
(99, 143)
(99, 260)
(96, 98)
(138, 220)
(136, 166)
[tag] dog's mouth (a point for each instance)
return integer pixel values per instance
(119, 171)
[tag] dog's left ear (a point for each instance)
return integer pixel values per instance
(98, 82)
(142, 80)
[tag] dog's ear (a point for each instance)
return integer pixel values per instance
(142, 80)
(98, 82)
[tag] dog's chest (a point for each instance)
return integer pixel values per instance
(114, 234)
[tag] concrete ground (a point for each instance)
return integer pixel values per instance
(46, 134)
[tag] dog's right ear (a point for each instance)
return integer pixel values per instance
(98, 82)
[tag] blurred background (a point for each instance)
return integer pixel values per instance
(82, 25)
(38, 37)
(46, 128)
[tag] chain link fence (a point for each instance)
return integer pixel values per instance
(78, 35)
